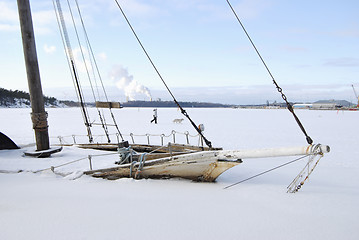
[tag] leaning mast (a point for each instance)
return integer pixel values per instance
(38, 115)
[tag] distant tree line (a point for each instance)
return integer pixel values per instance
(172, 104)
(10, 98)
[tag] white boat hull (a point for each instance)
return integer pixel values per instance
(202, 166)
(199, 166)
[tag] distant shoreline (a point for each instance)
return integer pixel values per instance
(21, 99)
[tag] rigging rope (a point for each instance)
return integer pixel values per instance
(98, 71)
(75, 76)
(259, 174)
(87, 69)
(289, 106)
(70, 59)
(316, 151)
(209, 144)
(304, 174)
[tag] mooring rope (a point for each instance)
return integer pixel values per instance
(140, 165)
(77, 160)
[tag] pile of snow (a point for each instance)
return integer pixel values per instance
(16, 103)
(25, 103)
(47, 205)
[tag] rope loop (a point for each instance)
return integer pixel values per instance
(140, 166)
(39, 121)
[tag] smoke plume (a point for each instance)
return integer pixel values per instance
(125, 82)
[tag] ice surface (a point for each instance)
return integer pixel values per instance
(45, 205)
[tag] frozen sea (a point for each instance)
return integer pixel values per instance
(43, 205)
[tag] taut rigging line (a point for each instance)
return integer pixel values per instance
(98, 73)
(208, 143)
(289, 106)
(72, 63)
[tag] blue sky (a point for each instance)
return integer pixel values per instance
(311, 47)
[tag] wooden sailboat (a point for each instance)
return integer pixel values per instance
(191, 162)
(199, 166)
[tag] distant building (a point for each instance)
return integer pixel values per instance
(326, 106)
(303, 105)
(323, 104)
(331, 104)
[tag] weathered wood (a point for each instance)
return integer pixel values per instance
(39, 116)
(152, 156)
(108, 104)
(147, 148)
(200, 166)
(43, 153)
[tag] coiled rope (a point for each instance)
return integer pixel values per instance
(39, 121)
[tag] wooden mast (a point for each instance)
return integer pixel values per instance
(38, 115)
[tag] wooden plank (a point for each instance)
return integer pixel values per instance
(148, 148)
(43, 153)
(108, 104)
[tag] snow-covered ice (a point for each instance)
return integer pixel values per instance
(45, 205)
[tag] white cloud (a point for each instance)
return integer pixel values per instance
(49, 49)
(44, 17)
(44, 21)
(102, 56)
(9, 27)
(8, 14)
(9, 20)
(81, 65)
(127, 83)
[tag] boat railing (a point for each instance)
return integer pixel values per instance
(148, 138)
